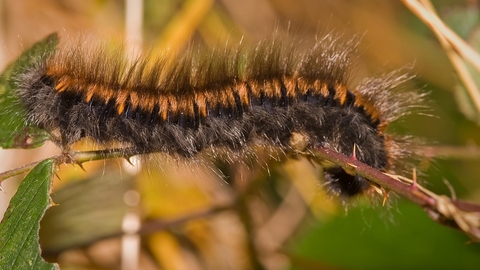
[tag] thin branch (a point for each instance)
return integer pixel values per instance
(450, 42)
(73, 157)
(446, 211)
(455, 213)
(17, 171)
(79, 157)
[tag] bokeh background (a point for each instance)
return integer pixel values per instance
(275, 216)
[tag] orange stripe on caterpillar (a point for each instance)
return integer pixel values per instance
(340, 93)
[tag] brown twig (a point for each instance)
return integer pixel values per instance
(446, 211)
(455, 213)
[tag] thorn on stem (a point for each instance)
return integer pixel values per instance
(81, 166)
(414, 185)
(354, 152)
(129, 161)
(385, 197)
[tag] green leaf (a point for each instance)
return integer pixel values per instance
(375, 239)
(14, 131)
(19, 229)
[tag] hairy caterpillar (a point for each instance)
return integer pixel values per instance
(228, 98)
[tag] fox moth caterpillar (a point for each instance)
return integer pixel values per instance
(226, 98)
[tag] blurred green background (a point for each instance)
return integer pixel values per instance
(278, 218)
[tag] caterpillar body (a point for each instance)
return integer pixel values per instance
(229, 98)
